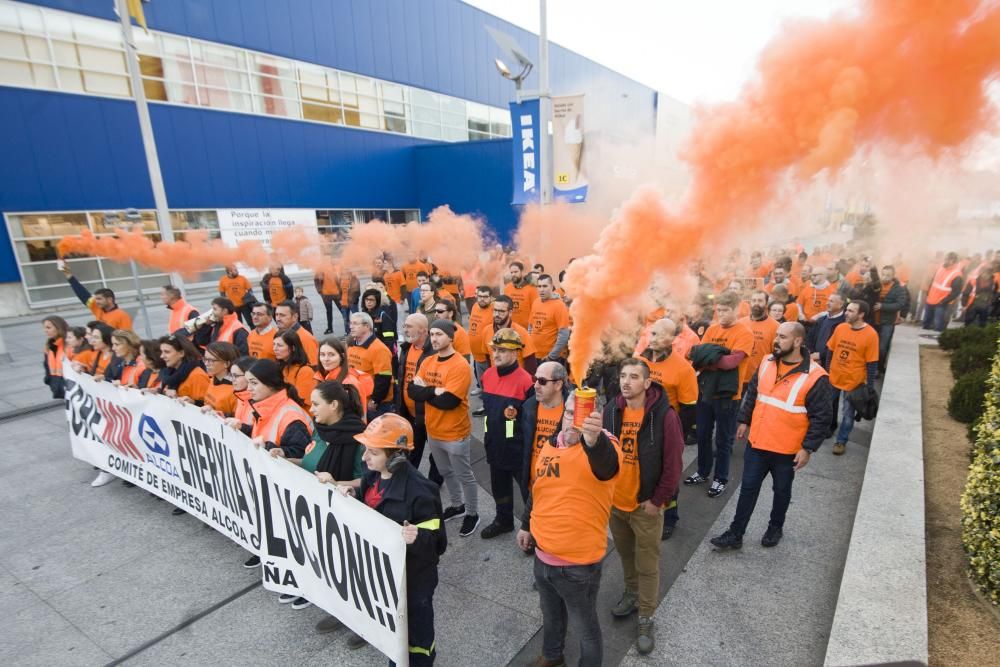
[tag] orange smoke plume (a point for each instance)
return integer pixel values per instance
(900, 72)
(555, 234)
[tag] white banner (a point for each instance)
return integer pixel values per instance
(336, 552)
(259, 224)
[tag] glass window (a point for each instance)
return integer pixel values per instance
(194, 220)
(48, 273)
(14, 73)
(394, 107)
(320, 94)
(368, 215)
(360, 104)
(274, 83)
(109, 222)
(97, 32)
(500, 122)
(47, 224)
(479, 120)
(221, 76)
(335, 218)
(397, 217)
(30, 19)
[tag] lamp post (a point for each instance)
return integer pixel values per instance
(132, 218)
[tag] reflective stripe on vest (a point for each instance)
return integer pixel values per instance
(430, 524)
(788, 405)
(780, 418)
(941, 285)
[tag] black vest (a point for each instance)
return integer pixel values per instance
(650, 438)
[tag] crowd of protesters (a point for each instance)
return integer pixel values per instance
(778, 350)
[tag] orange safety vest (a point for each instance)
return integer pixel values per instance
(131, 373)
(54, 360)
(941, 285)
(180, 313)
(780, 422)
(274, 414)
(230, 325)
(244, 411)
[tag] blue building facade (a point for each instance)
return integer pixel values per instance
(358, 109)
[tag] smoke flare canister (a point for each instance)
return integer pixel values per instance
(586, 402)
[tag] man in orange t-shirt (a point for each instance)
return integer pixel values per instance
(764, 330)
(327, 283)
(522, 293)
(853, 361)
(237, 289)
(393, 280)
(443, 384)
(102, 303)
(480, 318)
(503, 309)
(717, 414)
(410, 271)
(549, 322)
(813, 297)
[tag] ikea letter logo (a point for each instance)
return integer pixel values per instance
(153, 437)
(528, 151)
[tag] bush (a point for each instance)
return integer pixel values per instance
(966, 400)
(981, 498)
(972, 357)
(953, 339)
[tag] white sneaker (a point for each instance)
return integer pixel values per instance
(102, 479)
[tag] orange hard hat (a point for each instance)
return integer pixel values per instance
(390, 431)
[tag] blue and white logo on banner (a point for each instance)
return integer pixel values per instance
(527, 131)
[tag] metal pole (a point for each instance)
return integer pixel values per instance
(142, 299)
(146, 128)
(545, 106)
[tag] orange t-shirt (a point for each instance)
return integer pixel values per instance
(303, 378)
(547, 318)
(529, 345)
(677, 377)
(791, 312)
(195, 386)
(461, 342)
(524, 299)
(479, 319)
(813, 300)
(455, 375)
(764, 332)
(261, 345)
(410, 272)
(309, 344)
(275, 290)
(547, 422)
(627, 486)
(409, 370)
(116, 318)
(375, 359)
(345, 288)
(851, 349)
(234, 288)
(221, 397)
(394, 285)
(738, 338)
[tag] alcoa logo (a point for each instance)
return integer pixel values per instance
(153, 437)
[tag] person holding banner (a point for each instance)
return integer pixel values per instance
(127, 366)
(295, 368)
(149, 352)
(99, 337)
(182, 375)
(76, 344)
(220, 399)
(334, 454)
(237, 372)
(55, 329)
(333, 366)
(397, 490)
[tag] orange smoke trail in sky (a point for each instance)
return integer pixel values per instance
(903, 72)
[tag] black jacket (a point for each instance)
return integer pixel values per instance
(504, 449)
(529, 422)
(824, 329)
(286, 283)
(411, 497)
(714, 383)
(401, 407)
(819, 405)
(383, 316)
(894, 302)
(342, 448)
(660, 444)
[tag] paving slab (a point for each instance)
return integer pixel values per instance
(38, 635)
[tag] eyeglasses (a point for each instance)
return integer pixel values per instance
(211, 360)
(542, 381)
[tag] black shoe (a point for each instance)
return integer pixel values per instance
(695, 479)
(328, 331)
(771, 537)
(691, 439)
(481, 412)
(128, 485)
(668, 531)
(178, 511)
(285, 598)
(469, 525)
(328, 624)
(252, 562)
(453, 512)
(717, 489)
(496, 528)
(354, 640)
(728, 540)
(301, 603)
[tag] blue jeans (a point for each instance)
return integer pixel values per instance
(885, 332)
(846, 418)
(936, 317)
(716, 416)
(757, 463)
(569, 594)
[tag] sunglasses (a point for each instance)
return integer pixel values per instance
(543, 381)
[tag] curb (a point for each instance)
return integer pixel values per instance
(30, 410)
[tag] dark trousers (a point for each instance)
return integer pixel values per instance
(417, 453)
(328, 301)
(502, 486)
(345, 312)
(977, 315)
(936, 317)
(420, 625)
(757, 463)
(835, 414)
(885, 333)
(568, 596)
(307, 325)
(244, 313)
(670, 515)
(716, 417)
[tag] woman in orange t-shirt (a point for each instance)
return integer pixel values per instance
(294, 362)
(220, 399)
(182, 375)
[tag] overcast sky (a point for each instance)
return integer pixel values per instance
(693, 50)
